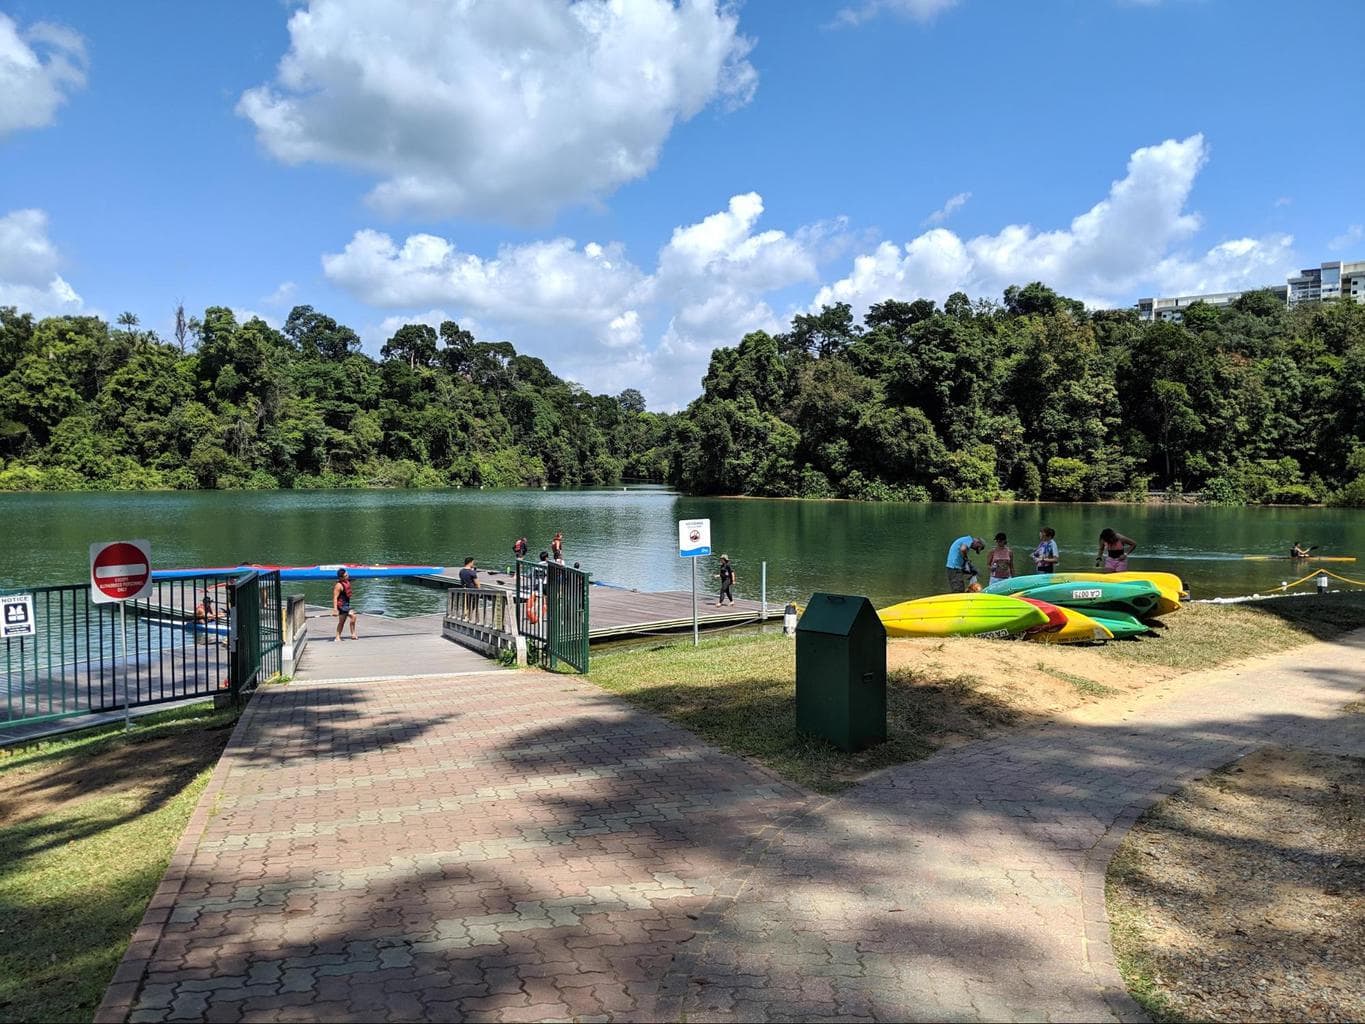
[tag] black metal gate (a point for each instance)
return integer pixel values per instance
(552, 613)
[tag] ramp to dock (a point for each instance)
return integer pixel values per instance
(408, 648)
(618, 612)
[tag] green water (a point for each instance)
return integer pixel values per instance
(629, 537)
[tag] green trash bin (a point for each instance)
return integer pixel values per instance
(841, 671)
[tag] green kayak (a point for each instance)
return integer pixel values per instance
(1092, 596)
(1121, 624)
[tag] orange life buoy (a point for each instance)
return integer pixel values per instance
(533, 609)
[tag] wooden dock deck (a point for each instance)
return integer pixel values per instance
(615, 613)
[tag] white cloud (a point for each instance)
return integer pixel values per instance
(281, 295)
(949, 208)
(28, 267)
(587, 309)
(1128, 242)
(1348, 238)
(918, 10)
(1284, 201)
(479, 108)
(38, 68)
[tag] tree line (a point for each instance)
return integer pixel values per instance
(1029, 397)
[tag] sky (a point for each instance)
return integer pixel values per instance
(620, 187)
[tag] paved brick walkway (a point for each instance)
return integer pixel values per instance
(515, 846)
(970, 886)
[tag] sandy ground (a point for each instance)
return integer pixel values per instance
(1036, 679)
(1242, 897)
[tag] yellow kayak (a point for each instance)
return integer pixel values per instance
(961, 615)
(1078, 629)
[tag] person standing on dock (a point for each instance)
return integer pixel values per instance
(557, 548)
(469, 575)
(727, 580)
(520, 547)
(341, 602)
(960, 568)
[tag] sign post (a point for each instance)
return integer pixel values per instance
(121, 571)
(694, 540)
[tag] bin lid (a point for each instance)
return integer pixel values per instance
(840, 615)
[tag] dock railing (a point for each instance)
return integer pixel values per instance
(295, 637)
(476, 617)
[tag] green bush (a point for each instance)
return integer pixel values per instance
(1067, 479)
(1350, 496)
(1225, 489)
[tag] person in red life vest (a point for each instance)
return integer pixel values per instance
(341, 602)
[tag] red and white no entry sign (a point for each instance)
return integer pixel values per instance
(120, 570)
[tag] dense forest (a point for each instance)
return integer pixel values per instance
(1031, 397)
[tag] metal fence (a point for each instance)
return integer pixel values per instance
(552, 613)
(176, 649)
(256, 648)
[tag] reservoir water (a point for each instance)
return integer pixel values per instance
(628, 537)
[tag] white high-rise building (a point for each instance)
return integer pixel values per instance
(1332, 280)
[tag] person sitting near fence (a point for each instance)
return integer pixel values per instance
(205, 611)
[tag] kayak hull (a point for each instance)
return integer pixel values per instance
(1169, 587)
(305, 572)
(1079, 628)
(1310, 558)
(1088, 595)
(1121, 625)
(961, 615)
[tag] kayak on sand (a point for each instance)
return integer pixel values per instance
(961, 615)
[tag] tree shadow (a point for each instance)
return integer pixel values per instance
(550, 851)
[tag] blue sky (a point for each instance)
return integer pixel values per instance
(619, 189)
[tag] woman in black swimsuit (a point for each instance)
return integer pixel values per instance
(1114, 551)
(341, 601)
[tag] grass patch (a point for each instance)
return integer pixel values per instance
(1129, 938)
(1201, 636)
(739, 693)
(1083, 685)
(88, 823)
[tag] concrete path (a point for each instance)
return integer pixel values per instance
(516, 846)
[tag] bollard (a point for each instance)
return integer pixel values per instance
(789, 620)
(1322, 583)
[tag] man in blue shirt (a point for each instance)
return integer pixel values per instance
(960, 568)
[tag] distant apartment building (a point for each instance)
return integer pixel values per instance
(1173, 307)
(1332, 280)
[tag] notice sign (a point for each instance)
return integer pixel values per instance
(694, 537)
(16, 617)
(120, 570)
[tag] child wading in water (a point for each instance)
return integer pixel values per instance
(1001, 559)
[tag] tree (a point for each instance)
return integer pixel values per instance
(631, 401)
(415, 343)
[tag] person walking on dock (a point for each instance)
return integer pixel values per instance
(341, 602)
(960, 568)
(727, 580)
